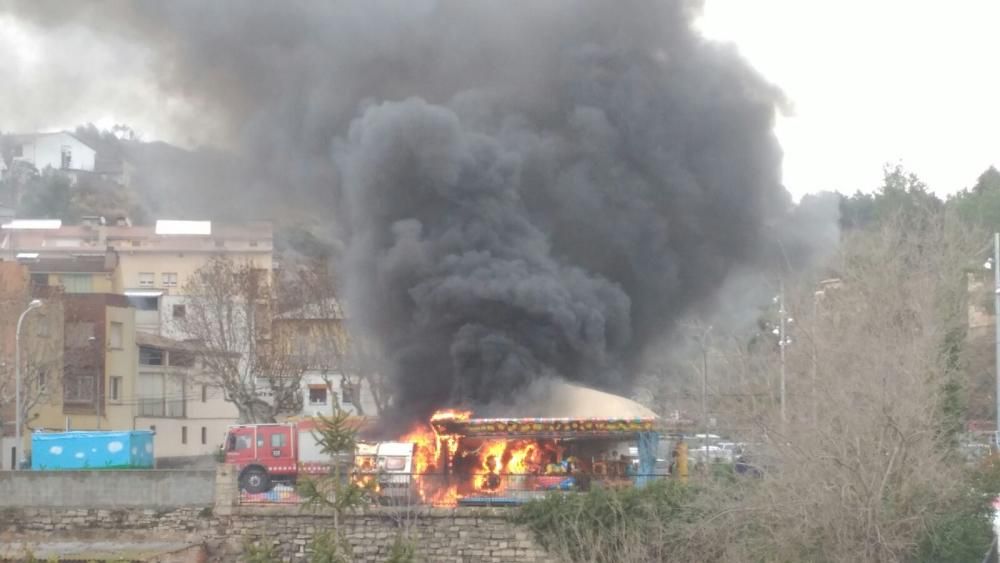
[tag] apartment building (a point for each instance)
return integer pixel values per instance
(78, 273)
(316, 334)
(98, 359)
(174, 399)
(148, 264)
(122, 287)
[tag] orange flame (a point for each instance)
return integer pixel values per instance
(498, 458)
(428, 476)
(491, 460)
(451, 414)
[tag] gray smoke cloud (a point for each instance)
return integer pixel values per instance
(525, 190)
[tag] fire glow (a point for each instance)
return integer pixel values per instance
(444, 472)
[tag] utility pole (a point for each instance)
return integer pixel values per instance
(815, 357)
(996, 324)
(704, 393)
(97, 400)
(19, 449)
(783, 341)
(98, 377)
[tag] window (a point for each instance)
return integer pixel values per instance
(277, 440)
(317, 394)
(66, 157)
(204, 435)
(395, 463)
(79, 389)
(146, 279)
(116, 388)
(184, 434)
(18, 151)
(152, 428)
(253, 244)
(136, 243)
(150, 356)
(115, 336)
(144, 303)
(219, 243)
(76, 283)
(169, 279)
(43, 376)
(180, 311)
(241, 442)
(40, 279)
(161, 394)
(204, 393)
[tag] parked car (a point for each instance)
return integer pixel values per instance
(735, 449)
(709, 453)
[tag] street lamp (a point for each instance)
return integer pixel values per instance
(35, 303)
(703, 344)
(991, 264)
(781, 331)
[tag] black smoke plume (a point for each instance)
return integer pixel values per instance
(525, 189)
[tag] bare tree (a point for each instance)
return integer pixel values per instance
(229, 312)
(338, 351)
(41, 359)
(862, 468)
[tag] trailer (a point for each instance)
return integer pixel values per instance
(508, 461)
(75, 450)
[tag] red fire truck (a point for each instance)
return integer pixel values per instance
(265, 454)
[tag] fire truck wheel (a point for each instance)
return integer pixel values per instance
(255, 480)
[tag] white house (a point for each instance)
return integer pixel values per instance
(322, 393)
(59, 151)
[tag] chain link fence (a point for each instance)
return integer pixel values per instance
(437, 489)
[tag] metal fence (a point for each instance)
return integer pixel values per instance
(436, 489)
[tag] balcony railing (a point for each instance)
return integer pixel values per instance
(161, 407)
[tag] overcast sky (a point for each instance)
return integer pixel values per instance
(869, 82)
(875, 81)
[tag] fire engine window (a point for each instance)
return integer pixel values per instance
(240, 443)
(395, 463)
(277, 440)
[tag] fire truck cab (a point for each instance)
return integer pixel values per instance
(265, 454)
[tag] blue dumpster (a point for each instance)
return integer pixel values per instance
(131, 449)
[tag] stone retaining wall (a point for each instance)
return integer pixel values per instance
(458, 535)
(224, 528)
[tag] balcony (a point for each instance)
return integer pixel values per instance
(163, 407)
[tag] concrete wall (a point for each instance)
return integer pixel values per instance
(169, 441)
(106, 489)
